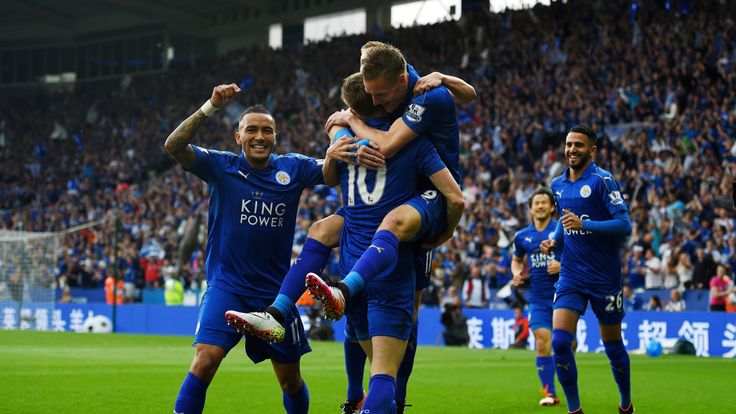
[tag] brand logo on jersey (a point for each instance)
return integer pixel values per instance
(243, 174)
(283, 178)
(414, 112)
(528, 239)
(559, 193)
(429, 195)
(616, 198)
(585, 191)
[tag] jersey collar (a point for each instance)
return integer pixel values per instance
(243, 165)
(585, 175)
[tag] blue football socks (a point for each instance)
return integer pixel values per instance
(313, 258)
(621, 367)
(191, 395)
(378, 258)
(380, 395)
(297, 403)
(567, 371)
(354, 366)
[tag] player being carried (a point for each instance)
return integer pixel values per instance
(594, 222)
(253, 203)
(543, 272)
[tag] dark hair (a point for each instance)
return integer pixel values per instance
(353, 95)
(543, 190)
(256, 109)
(587, 131)
(382, 59)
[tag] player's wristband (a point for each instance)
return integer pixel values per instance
(208, 109)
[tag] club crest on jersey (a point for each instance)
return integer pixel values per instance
(585, 191)
(414, 112)
(282, 177)
(616, 198)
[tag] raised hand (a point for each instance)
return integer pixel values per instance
(222, 95)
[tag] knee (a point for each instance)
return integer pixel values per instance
(205, 364)
(396, 224)
(291, 384)
(561, 342)
(324, 232)
(543, 347)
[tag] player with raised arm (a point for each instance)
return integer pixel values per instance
(543, 272)
(594, 222)
(253, 203)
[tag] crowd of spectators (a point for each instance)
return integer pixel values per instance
(656, 80)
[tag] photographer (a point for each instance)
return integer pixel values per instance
(456, 325)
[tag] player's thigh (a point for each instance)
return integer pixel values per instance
(327, 231)
(387, 355)
(432, 210)
(565, 319)
(568, 305)
(404, 222)
(212, 328)
(608, 306)
(288, 375)
(543, 338)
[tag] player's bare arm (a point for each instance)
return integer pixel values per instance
(389, 142)
(517, 270)
(178, 142)
(462, 92)
(446, 185)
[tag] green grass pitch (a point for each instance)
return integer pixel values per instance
(43, 372)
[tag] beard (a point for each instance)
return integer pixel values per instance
(581, 162)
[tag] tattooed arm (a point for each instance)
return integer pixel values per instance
(177, 144)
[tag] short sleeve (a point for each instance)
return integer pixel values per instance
(208, 164)
(519, 250)
(424, 108)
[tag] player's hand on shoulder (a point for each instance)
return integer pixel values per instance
(369, 156)
(343, 149)
(427, 82)
(222, 95)
(339, 118)
(547, 245)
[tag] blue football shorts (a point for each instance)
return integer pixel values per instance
(607, 302)
(212, 328)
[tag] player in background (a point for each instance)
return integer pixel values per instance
(543, 272)
(594, 222)
(253, 203)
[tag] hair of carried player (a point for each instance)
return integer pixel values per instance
(353, 94)
(382, 59)
(587, 131)
(544, 191)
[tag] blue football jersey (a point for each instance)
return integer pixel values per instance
(526, 243)
(252, 218)
(369, 195)
(590, 259)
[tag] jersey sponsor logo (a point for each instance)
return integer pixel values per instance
(414, 112)
(541, 260)
(282, 177)
(616, 198)
(256, 212)
(579, 232)
(585, 191)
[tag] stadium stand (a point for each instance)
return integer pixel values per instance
(660, 85)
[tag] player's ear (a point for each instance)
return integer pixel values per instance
(237, 138)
